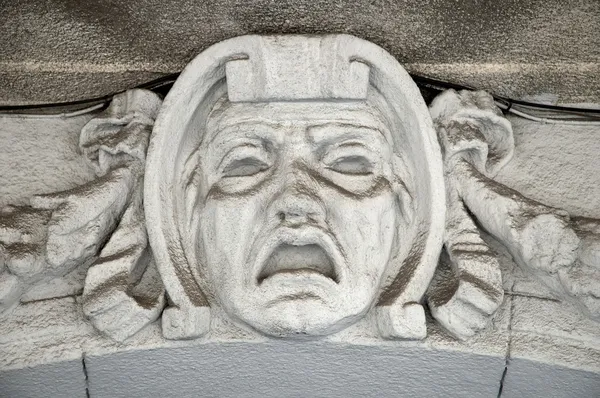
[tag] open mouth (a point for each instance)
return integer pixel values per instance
(298, 259)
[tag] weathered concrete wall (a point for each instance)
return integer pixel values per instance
(61, 50)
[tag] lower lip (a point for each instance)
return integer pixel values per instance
(300, 297)
(298, 279)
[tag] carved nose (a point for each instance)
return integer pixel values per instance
(295, 208)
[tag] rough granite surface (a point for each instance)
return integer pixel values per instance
(512, 47)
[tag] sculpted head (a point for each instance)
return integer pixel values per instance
(298, 212)
(289, 195)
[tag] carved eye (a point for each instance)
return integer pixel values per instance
(244, 167)
(351, 159)
(355, 165)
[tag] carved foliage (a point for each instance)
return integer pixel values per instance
(122, 291)
(560, 251)
(99, 223)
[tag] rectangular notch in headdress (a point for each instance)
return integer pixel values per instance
(291, 68)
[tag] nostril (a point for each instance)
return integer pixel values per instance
(293, 208)
(292, 217)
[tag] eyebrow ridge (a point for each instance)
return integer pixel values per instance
(242, 122)
(245, 144)
(375, 129)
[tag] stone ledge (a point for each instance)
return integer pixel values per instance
(25, 85)
(47, 342)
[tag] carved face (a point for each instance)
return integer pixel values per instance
(298, 213)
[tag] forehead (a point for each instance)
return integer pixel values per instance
(228, 116)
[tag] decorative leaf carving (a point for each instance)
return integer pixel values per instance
(123, 291)
(467, 288)
(562, 252)
(101, 222)
(83, 218)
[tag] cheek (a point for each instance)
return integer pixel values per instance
(227, 229)
(366, 230)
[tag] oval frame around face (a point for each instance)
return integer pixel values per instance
(172, 144)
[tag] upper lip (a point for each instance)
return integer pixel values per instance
(308, 235)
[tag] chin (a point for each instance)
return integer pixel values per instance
(302, 318)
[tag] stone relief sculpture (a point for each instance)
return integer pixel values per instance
(282, 191)
(294, 186)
